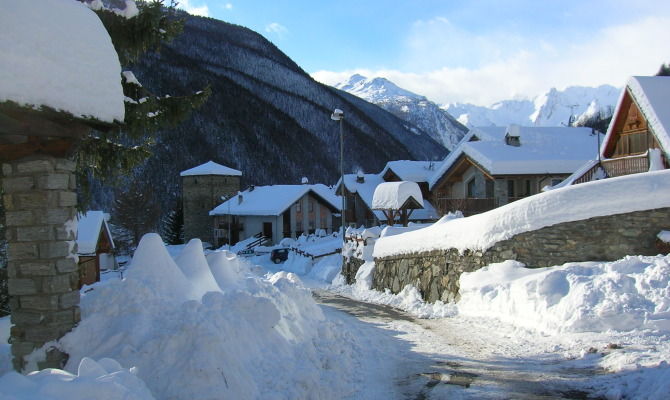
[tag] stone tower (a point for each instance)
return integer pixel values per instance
(203, 187)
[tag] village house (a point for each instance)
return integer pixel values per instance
(493, 166)
(271, 213)
(359, 190)
(95, 246)
(638, 137)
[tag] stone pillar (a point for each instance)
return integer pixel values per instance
(43, 276)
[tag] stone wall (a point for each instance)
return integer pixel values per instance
(43, 278)
(607, 238)
(350, 266)
(200, 195)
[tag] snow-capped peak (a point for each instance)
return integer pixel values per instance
(375, 89)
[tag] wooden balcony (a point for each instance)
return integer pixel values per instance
(614, 167)
(468, 206)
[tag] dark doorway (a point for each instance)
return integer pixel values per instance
(267, 229)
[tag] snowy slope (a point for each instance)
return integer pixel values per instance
(411, 107)
(552, 108)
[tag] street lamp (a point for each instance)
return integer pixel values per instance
(338, 115)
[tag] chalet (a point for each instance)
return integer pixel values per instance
(493, 166)
(275, 212)
(397, 200)
(95, 246)
(638, 137)
(359, 190)
(412, 171)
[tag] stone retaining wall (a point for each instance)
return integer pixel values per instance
(608, 238)
(350, 267)
(43, 277)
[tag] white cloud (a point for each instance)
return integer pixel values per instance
(202, 10)
(496, 68)
(228, 6)
(276, 28)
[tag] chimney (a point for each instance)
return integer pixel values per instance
(251, 188)
(513, 135)
(240, 198)
(304, 180)
(360, 177)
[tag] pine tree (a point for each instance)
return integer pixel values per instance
(664, 70)
(108, 155)
(173, 226)
(137, 211)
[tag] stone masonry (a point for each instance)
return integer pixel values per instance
(607, 238)
(43, 278)
(201, 193)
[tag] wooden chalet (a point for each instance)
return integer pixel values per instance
(637, 138)
(494, 166)
(95, 247)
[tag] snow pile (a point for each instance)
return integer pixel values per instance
(664, 236)
(629, 294)
(394, 195)
(47, 61)
(105, 379)
(573, 203)
(234, 341)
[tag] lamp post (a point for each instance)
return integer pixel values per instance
(338, 115)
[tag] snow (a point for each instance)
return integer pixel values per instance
(211, 168)
(374, 89)
(5, 347)
(415, 171)
(234, 341)
(543, 150)
(130, 77)
(664, 236)
(395, 195)
(104, 379)
(89, 227)
(572, 203)
(58, 54)
(274, 199)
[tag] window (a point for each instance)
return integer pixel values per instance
(555, 181)
(527, 187)
(471, 188)
(632, 143)
(510, 188)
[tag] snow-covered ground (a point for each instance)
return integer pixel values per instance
(159, 334)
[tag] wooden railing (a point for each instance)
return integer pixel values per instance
(468, 206)
(618, 167)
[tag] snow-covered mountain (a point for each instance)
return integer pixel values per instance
(553, 108)
(411, 107)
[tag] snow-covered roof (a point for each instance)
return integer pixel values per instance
(415, 171)
(366, 191)
(394, 195)
(211, 168)
(58, 54)
(274, 199)
(542, 150)
(571, 203)
(89, 227)
(652, 95)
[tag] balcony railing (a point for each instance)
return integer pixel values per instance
(618, 167)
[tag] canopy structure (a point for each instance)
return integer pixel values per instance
(397, 199)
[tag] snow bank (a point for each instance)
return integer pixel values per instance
(235, 342)
(625, 295)
(573, 203)
(105, 379)
(58, 54)
(5, 348)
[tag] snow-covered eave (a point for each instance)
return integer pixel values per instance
(222, 209)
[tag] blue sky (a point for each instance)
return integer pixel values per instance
(477, 51)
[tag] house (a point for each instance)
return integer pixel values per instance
(412, 171)
(359, 190)
(638, 137)
(397, 200)
(95, 246)
(203, 187)
(275, 212)
(493, 166)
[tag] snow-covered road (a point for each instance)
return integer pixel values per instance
(436, 359)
